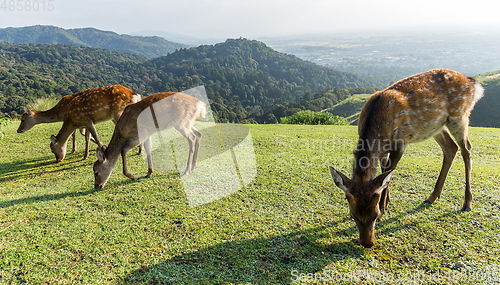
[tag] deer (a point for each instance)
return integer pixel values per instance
(88, 108)
(30, 118)
(436, 104)
(177, 110)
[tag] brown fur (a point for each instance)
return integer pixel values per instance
(431, 104)
(177, 110)
(30, 118)
(90, 107)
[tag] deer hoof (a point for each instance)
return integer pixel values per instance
(465, 209)
(129, 176)
(427, 201)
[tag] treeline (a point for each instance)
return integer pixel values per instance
(246, 81)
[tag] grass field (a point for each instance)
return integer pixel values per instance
(289, 225)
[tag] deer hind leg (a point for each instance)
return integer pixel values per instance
(147, 148)
(198, 136)
(459, 132)
(450, 149)
(83, 131)
(388, 163)
(189, 134)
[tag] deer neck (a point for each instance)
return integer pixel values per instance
(65, 132)
(114, 149)
(49, 116)
(370, 148)
(366, 158)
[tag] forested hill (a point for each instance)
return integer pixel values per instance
(90, 37)
(246, 81)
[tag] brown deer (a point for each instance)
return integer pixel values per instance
(170, 109)
(90, 107)
(431, 104)
(30, 118)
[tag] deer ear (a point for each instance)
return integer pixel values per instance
(382, 181)
(53, 139)
(100, 154)
(28, 111)
(340, 180)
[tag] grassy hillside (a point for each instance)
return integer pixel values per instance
(486, 112)
(90, 37)
(291, 220)
(350, 107)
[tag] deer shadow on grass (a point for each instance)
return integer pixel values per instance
(254, 261)
(46, 197)
(385, 225)
(259, 260)
(36, 166)
(385, 228)
(31, 169)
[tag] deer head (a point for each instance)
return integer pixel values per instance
(102, 168)
(27, 121)
(363, 197)
(57, 148)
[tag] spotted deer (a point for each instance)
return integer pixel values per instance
(434, 104)
(90, 107)
(30, 118)
(170, 109)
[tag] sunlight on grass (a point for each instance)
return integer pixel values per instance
(291, 220)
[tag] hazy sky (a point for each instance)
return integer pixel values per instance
(253, 18)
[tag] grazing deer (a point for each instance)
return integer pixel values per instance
(177, 110)
(90, 107)
(431, 104)
(30, 118)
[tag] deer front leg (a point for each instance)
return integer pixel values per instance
(91, 128)
(87, 145)
(387, 164)
(450, 149)
(125, 149)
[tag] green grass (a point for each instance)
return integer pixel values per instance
(56, 228)
(350, 107)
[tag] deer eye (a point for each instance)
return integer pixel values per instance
(96, 173)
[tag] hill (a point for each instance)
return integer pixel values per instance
(90, 37)
(245, 80)
(350, 107)
(486, 114)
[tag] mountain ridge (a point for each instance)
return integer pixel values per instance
(149, 46)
